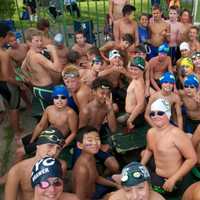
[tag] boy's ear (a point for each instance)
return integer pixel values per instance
(79, 145)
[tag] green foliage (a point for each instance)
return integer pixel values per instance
(7, 9)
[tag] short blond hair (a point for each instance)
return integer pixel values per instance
(31, 32)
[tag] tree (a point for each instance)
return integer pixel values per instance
(7, 9)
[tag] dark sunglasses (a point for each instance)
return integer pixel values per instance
(60, 97)
(46, 184)
(159, 113)
(189, 86)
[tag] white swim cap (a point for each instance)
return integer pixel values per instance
(162, 105)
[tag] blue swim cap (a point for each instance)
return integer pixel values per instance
(163, 48)
(167, 77)
(59, 90)
(45, 168)
(191, 80)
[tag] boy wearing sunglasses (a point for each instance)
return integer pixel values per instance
(47, 180)
(59, 115)
(18, 183)
(167, 81)
(190, 98)
(170, 147)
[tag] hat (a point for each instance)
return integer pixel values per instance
(70, 71)
(45, 168)
(51, 135)
(187, 62)
(59, 90)
(140, 49)
(134, 174)
(114, 53)
(184, 46)
(162, 105)
(97, 59)
(138, 62)
(191, 80)
(167, 77)
(59, 39)
(163, 49)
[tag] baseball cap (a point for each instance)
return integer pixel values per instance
(134, 174)
(163, 49)
(59, 39)
(138, 62)
(114, 53)
(59, 90)
(45, 168)
(51, 135)
(70, 71)
(162, 105)
(167, 77)
(184, 46)
(191, 80)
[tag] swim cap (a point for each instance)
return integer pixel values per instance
(184, 46)
(187, 63)
(3, 30)
(167, 77)
(51, 136)
(162, 105)
(164, 48)
(114, 53)
(70, 71)
(138, 62)
(45, 168)
(134, 174)
(59, 90)
(191, 80)
(59, 39)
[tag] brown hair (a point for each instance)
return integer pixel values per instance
(31, 32)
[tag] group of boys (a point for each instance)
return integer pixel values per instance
(81, 96)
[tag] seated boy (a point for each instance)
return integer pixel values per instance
(85, 175)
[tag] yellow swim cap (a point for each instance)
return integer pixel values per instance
(187, 63)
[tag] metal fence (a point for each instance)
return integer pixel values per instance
(94, 11)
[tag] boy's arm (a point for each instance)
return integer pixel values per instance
(153, 82)
(103, 181)
(178, 112)
(83, 117)
(12, 184)
(196, 137)
(73, 125)
(116, 31)
(43, 124)
(81, 187)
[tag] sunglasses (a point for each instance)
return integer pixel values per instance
(158, 113)
(46, 184)
(60, 97)
(189, 86)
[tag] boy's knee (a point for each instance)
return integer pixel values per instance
(112, 164)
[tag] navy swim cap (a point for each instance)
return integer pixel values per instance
(45, 168)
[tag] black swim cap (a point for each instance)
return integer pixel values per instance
(51, 135)
(45, 168)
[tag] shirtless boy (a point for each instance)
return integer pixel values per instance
(167, 81)
(122, 46)
(47, 180)
(58, 115)
(174, 33)
(126, 25)
(171, 148)
(9, 87)
(85, 175)
(81, 46)
(158, 65)
(38, 67)
(18, 182)
(135, 181)
(135, 98)
(159, 30)
(79, 93)
(196, 61)
(191, 104)
(193, 39)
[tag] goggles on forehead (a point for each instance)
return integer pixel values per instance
(195, 55)
(71, 75)
(105, 87)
